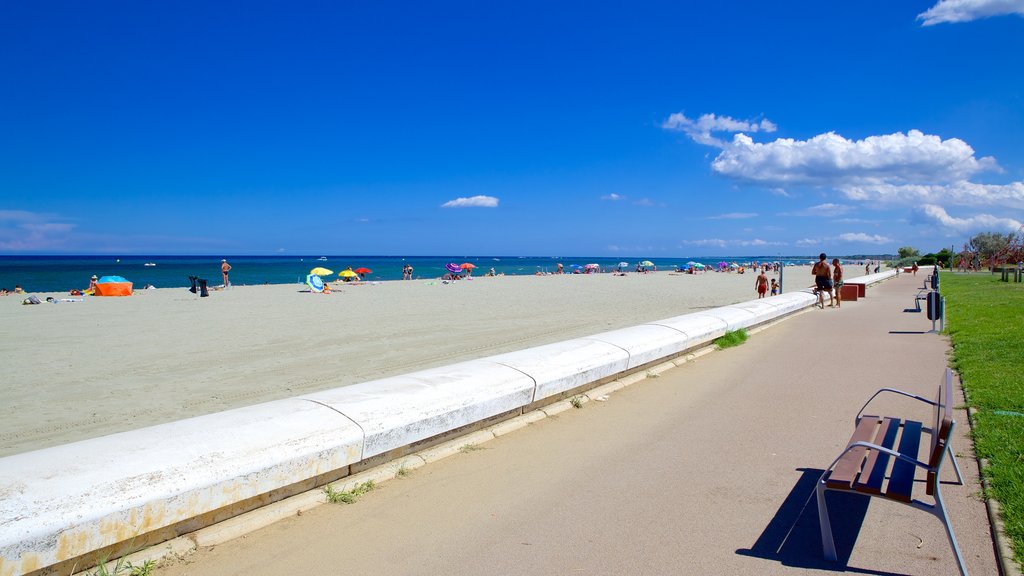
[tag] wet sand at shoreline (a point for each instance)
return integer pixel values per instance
(85, 369)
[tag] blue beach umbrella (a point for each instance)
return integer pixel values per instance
(315, 283)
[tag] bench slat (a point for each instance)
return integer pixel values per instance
(847, 468)
(871, 477)
(901, 482)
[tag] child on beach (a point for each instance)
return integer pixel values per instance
(837, 280)
(775, 288)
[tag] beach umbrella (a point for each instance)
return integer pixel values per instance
(320, 271)
(623, 266)
(347, 274)
(453, 268)
(363, 271)
(467, 266)
(315, 283)
(591, 266)
(647, 263)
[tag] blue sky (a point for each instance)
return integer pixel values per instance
(515, 128)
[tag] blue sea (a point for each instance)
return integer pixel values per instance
(63, 273)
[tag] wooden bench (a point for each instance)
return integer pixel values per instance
(864, 465)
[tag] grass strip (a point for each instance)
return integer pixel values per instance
(985, 320)
(348, 496)
(732, 338)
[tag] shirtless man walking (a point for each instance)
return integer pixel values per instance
(823, 280)
(761, 284)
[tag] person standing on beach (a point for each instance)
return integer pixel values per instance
(867, 268)
(224, 269)
(837, 281)
(823, 280)
(761, 284)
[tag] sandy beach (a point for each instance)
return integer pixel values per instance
(85, 369)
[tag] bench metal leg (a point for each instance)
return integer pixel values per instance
(956, 467)
(827, 543)
(940, 508)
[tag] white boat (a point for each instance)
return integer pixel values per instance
(150, 264)
(322, 258)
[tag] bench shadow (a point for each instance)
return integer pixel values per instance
(793, 536)
(906, 332)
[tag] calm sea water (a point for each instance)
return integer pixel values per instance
(62, 273)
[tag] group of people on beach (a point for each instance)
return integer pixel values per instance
(828, 280)
(6, 291)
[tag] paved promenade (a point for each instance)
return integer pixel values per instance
(705, 470)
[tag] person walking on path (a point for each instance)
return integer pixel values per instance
(823, 280)
(224, 269)
(914, 268)
(761, 285)
(837, 281)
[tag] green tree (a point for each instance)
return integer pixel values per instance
(908, 252)
(945, 257)
(988, 244)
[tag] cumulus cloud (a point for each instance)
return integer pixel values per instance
(937, 215)
(734, 216)
(865, 238)
(962, 193)
(701, 129)
(472, 202)
(613, 197)
(831, 159)
(966, 10)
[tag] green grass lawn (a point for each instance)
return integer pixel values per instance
(985, 319)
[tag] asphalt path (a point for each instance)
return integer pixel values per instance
(706, 469)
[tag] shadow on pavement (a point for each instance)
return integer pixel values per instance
(793, 537)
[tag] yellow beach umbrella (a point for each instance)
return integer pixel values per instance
(319, 271)
(347, 274)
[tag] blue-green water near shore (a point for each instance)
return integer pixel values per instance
(63, 273)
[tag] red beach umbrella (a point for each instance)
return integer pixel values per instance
(363, 271)
(467, 266)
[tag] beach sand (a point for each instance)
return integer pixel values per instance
(86, 369)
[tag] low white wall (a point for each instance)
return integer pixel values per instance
(60, 503)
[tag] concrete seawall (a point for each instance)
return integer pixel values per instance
(138, 488)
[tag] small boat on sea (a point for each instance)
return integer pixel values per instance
(322, 258)
(150, 264)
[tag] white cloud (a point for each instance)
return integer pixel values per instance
(967, 10)
(21, 230)
(962, 193)
(700, 130)
(803, 242)
(720, 243)
(826, 209)
(932, 214)
(613, 197)
(831, 159)
(734, 216)
(865, 238)
(472, 202)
